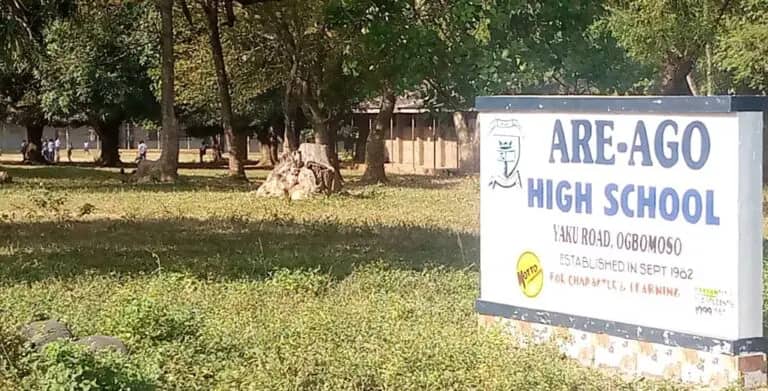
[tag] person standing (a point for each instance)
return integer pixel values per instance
(87, 147)
(24, 146)
(142, 150)
(57, 149)
(203, 150)
(51, 148)
(69, 152)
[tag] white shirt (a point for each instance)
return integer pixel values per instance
(57, 143)
(142, 148)
(50, 145)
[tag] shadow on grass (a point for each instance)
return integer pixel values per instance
(221, 249)
(109, 180)
(50, 172)
(101, 180)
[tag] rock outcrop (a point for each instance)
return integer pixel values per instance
(302, 174)
(43, 332)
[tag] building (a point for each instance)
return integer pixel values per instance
(419, 141)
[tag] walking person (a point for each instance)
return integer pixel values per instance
(87, 148)
(69, 152)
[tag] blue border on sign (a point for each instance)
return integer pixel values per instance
(622, 104)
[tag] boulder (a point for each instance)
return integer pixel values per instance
(43, 332)
(302, 174)
(96, 343)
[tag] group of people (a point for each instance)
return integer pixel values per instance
(50, 149)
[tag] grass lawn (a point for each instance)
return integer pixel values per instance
(212, 288)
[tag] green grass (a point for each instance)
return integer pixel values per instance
(213, 288)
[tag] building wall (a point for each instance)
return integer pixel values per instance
(419, 142)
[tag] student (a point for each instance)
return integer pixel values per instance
(142, 150)
(69, 152)
(203, 150)
(57, 149)
(24, 146)
(87, 148)
(50, 149)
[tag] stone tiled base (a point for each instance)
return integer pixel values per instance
(639, 358)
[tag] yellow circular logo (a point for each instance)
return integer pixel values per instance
(530, 275)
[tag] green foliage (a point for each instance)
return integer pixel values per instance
(95, 72)
(653, 30)
(148, 320)
(741, 48)
(22, 31)
(252, 80)
(383, 44)
(12, 352)
(211, 290)
(67, 366)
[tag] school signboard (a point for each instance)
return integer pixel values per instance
(636, 217)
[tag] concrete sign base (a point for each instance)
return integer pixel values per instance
(638, 358)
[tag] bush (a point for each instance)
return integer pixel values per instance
(12, 351)
(67, 366)
(146, 319)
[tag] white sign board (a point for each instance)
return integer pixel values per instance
(651, 220)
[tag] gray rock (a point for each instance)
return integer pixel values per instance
(97, 343)
(43, 332)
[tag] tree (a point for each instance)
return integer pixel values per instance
(388, 53)
(21, 40)
(253, 87)
(669, 35)
(95, 75)
(741, 48)
(236, 140)
(295, 41)
(169, 158)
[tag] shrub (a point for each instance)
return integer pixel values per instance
(67, 366)
(12, 351)
(148, 319)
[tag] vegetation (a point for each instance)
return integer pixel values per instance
(369, 289)
(212, 291)
(274, 68)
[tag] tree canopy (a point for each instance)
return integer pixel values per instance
(256, 66)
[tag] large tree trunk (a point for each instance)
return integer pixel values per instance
(326, 135)
(360, 143)
(236, 141)
(266, 154)
(169, 158)
(468, 145)
(374, 158)
(109, 134)
(674, 77)
(34, 150)
(290, 107)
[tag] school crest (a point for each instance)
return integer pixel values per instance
(506, 136)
